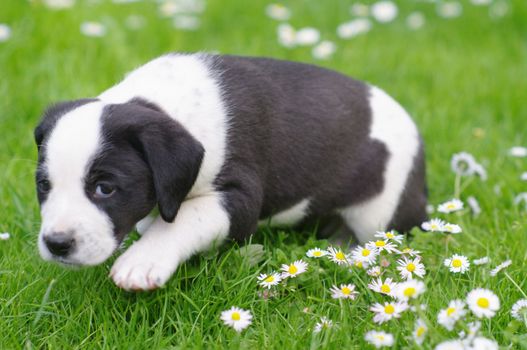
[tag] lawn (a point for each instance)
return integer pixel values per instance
(463, 79)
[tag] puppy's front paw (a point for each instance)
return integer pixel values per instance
(136, 270)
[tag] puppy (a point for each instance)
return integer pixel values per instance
(196, 148)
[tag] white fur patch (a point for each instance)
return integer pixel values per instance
(70, 147)
(391, 125)
(289, 216)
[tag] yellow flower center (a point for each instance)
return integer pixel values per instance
(269, 279)
(359, 264)
(380, 243)
(235, 316)
(483, 302)
(409, 292)
(420, 331)
(407, 250)
(456, 263)
(317, 253)
(410, 267)
(292, 269)
(451, 206)
(346, 291)
(389, 309)
(390, 235)
(380, 337)
(340, 256)
(450, 311)
(365, 252)
(385, 288)
(434, 226)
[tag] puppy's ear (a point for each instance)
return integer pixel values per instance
(173, 155)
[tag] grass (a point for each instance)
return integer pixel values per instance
(462, 79)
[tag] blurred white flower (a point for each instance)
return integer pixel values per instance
(360, 10)
(59, 4)
(519, 310)
(500, 267)
(480, 171)
(449, 9)
(483, 302)
(307, 36)
(453, 313)
(474, 205)
(384, 11)
(498, 9)
(415, 20)
(324, 323)
(286, 35)
(480, 2)
(482, 343)
(186, 22)
(450, 206)
(430, 209)
(420, 331)
(521, 198)
(379, 338)
(135, 22)
(169, 8)
(324, 50)
(523, 176)
(455, 344)
(518, 151)
(93, 29)
(4, 236)
(353, 28)
(5, 32)
(124, 1)
(463, 164)
(481, 261)
(278, 12)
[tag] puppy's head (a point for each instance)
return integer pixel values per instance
(101, 169)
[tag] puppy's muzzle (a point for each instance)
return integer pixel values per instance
(60, 244)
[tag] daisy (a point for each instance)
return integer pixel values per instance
(434, 225)
(387, 287)
(374, 271)
(278, 12)
(463, 164)
(316, 253)
(482, 343)
(4, 236)
(457, 263)
(519, 310)
(346, 291)
(5, 32)
(360, 264)
(365, 255)
(379, 338)
(408, 268)
(381, 245)
(455, 344)
(473, 329)
(474, 205)
(452, 228)
(415, 20)
(518, 151)
(236, 318)
(93, 29)
(450, 206)
(384, 11)
(411, 252)
(348, 30)
(500, 267)
(269, 280)
(390, 235)
(410, 289)
(307, 36)
(338, 256)
(59, 4)
(449, 316)
(522, 197)
(294, 269)
(523, 176)
(481, 261)
(481, 172)
(449, 9)
(483, 302)
(324, 50)
(286, 35)
(388, 311)
(324, 323)
(420, 331)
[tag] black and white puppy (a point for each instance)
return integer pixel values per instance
(193, 149)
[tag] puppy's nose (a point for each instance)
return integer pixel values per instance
(59, 243)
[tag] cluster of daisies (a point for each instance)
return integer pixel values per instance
(394, 274)
(363, 17)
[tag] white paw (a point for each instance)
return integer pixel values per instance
(137, 270)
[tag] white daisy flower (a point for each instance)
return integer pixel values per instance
(4, 236)
(360, 264)
(518, 151)
(463, 164)
(434, 225)
(350, 29)
(269, 280)
(278, 12)
(523, 176)
(473, 329)
(387, 287)
(482, 343)
(410, 289)
(360, 10)
(381, 245)
(519, 310)
(338, 256)
(452, 228)
(449, 9)
(316, 253)
(294, 269)
(384, 11)
(500, 267)
(286, 35)
(307, 36)
(450, 206)
(59, 4)
(379, 339)
(388, 311)
(93, 29)
(522, 197)
(483, 302)
(481, 172)
(390, 235)
(415, 20)
(324, 50)
(457, 263)
(449, 316)
(474, 205)
(455, 344)
(345, 291)
(481, 261)
(420, 331)
(430, 209)
(408, 268)
(236, 318)
(409, 251)
(365, 255)
(374, 271)
(5, 32)
(324, 323)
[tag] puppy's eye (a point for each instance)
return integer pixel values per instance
(44, 186)
(104, 190)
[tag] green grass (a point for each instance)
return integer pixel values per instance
(453, 76)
